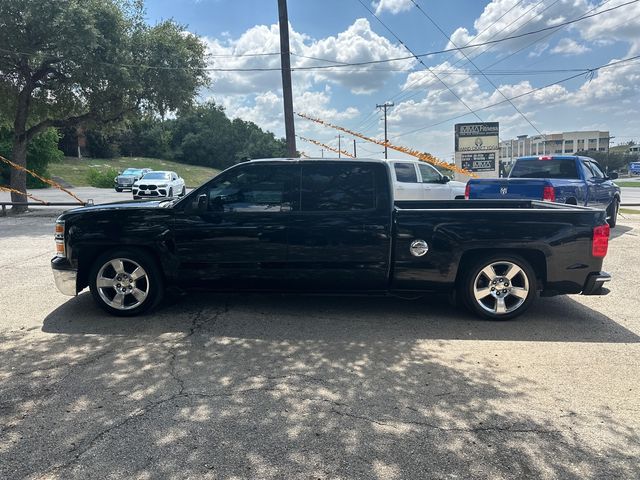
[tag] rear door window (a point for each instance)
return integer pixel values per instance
(406, 172)
(335, 187)
(558, 168)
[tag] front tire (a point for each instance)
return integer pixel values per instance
(612, 213)
(170, 194)
(499, 287)
(118, 189)
(126, 282)
(184, 191)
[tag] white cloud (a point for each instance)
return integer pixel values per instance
(358, 43)
(393, 6)
(621, 25)
(568, 46)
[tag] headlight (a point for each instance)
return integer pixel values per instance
(115, 179)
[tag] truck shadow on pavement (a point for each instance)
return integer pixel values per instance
(559, 319)
(299, 387)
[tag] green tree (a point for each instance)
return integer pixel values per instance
(43, 149)
(204, 135)
(63, 63)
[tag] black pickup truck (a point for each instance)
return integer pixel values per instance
(329, 226)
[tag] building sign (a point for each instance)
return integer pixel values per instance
(479, 162)
(477, 147)
(476, 136)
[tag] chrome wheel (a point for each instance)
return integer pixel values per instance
(501, 287)
(122, 284)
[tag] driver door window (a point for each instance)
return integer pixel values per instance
(268, 188)
(429, 174)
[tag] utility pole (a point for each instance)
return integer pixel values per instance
(384, 107)
(355, 152)
(339, 146)
(322, 152)
(285, 65)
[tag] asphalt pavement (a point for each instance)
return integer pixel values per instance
(250, 386)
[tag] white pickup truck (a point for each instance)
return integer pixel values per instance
(416, 180)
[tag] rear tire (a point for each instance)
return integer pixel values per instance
(498, 287)
(612, 213)
(126, 282)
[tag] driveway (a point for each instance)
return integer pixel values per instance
(249, 386)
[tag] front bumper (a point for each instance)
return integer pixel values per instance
(593, 285)
(64, 276)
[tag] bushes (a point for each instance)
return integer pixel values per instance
(102, 178)
(42, 150)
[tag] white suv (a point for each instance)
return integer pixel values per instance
(159, 184)
(416, 180)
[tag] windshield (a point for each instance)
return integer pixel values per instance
(132, 171)
(535, 168)
(156, 176)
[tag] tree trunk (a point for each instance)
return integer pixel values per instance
(20, 141)
(18, 177)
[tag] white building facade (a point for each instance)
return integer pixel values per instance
(565, 143)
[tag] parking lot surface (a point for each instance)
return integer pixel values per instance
(250, 386)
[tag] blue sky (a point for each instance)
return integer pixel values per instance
(427, 97)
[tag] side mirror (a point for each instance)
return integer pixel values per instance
(446, 179)
(202, 202)
(613, 175)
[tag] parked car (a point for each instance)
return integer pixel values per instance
(159, 184)
(126, 179)
(634, 168)
(573, 180)
(416, 180)
(329, 226)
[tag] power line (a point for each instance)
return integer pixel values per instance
(419, 60)
(520, 49)
(476, 67)
(592, 70)
(349, 64)
(406, 87)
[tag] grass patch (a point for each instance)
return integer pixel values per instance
(629, 211)
(76, 172)
(628, 184)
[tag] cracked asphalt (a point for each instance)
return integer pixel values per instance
(249, 386)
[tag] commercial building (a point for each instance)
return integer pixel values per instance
(565, 143)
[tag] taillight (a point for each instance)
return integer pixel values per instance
(545, 157)
(549, 194)
(600, 242)
(60, 249)
(467, 190)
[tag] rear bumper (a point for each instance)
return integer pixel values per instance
(593, 285)
(65, 276)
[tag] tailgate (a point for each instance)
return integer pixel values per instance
(505, 188)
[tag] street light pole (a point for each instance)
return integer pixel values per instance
(285, 65)
(384, 107)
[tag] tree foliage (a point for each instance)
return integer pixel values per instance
(42, 150)
(89, 61)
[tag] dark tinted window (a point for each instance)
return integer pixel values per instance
(406, 172)
(262, 188)
(545, 169)
(338, 187)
